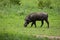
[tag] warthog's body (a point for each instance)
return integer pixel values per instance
(37, 16)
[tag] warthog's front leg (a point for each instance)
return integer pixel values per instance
(33, 23)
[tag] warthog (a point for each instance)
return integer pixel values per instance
(36, 16)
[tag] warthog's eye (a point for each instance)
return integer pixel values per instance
(27, 20)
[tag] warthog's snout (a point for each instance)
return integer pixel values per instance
(25, 25)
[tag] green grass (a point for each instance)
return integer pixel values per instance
(12, 22)
(12, 28)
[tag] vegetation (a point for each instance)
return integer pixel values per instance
(13, 12)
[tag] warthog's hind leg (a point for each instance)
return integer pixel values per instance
(47, 23)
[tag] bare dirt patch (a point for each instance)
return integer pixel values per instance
(49, 37)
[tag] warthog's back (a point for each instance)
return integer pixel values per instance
(38, 15)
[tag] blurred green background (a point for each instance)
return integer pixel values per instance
(13, 13)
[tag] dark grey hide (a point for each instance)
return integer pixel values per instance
(36, 16)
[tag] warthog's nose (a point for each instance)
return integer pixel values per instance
(25, 25)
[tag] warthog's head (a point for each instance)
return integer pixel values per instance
(26, 22)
